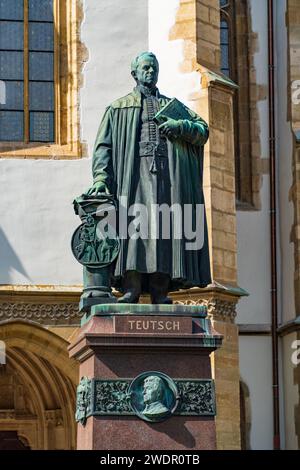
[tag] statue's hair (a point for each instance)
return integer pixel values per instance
(135, 62)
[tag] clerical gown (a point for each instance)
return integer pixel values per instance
(176, 181)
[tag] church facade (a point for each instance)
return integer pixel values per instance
(235, 63)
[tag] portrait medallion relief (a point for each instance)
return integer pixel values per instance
(153, 396)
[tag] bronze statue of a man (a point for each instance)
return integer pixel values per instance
(148, 164)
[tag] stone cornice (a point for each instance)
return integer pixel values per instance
(58, 305)
(37, 293)
(211, 78)
(47, 305)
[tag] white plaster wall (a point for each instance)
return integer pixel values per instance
(114, 32)
(37, 218)
(253, 231)
(253, 236)
(256, 372)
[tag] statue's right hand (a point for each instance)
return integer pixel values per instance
(98, 187)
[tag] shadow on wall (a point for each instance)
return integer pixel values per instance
(9, 261)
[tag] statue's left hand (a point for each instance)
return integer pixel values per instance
(170, 128)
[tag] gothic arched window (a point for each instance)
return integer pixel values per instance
(234, 40)
(227, 32)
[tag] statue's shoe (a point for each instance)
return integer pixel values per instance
(94, 293)
(161, 300)
(129, 298)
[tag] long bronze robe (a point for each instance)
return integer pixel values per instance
(116, 163)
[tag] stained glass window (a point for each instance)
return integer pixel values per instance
(225, 37)
(234, 40)
(27, 70)
(225, 67)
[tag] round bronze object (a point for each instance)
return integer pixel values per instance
(91, 250)
(153, 396)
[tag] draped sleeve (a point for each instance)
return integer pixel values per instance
(102, 155)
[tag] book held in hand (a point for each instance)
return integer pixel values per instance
(172, 110)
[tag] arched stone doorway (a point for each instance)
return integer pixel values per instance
(37, 387)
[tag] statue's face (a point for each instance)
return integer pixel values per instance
(147, 72)
(151, 392)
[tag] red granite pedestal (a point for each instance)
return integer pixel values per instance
(123, 346)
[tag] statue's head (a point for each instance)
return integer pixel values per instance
(145, 68)
(153, 389)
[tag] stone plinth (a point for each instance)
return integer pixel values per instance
(116, 344)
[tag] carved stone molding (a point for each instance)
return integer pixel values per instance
(54, 417)
(217, 309)
(47, 314)
(68, 313)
